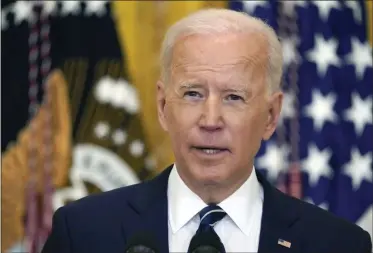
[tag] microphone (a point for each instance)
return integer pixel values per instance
(142, 242)
(206, 242)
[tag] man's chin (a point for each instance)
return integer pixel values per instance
(211, 176)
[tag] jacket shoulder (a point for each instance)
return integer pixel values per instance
(97, 201)
(319, 216)
(319, 225)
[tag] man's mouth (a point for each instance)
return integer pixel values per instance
(210, 150)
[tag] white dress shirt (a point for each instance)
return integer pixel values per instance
(239, 230)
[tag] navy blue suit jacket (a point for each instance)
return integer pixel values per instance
(104, 222)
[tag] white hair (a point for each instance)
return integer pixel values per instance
(218, 21)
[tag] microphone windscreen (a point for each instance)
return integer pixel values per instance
(206, 242)
(142, 242)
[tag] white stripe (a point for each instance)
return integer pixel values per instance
(213, 224)
(212, 211)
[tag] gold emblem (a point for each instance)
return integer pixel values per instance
(14, 170)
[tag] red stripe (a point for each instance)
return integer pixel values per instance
(46, 223)
(295, 185)
(31, 226)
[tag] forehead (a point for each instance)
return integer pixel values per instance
(228, 50)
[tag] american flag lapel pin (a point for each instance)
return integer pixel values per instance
(284, 243)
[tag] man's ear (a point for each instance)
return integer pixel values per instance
(275, 105)
(161, 103)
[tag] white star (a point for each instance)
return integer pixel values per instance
(119, 137)
(118, 92)
(103, 90)
(274, 160)
(324, 54)
(4, 20)
(360, 113)
(289, 50)
(366, 220)
(289, 6)
(356, 10)
(320, 109)
(95, 7)
(68, 7)
(322, 205)
(360, 56)
(325, 7)
(288, 107)
(150, 163)
(22, 11)
(49, 7)
(101, 130)
(251, 5)
(359, 168)
(317, 164)
(125, 95)
(136, 148)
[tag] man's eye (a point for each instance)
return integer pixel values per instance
(234, 97)
(192, 94)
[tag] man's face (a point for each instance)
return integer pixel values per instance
(217, 107)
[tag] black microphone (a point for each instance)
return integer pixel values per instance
(206, 242)
(142, 242)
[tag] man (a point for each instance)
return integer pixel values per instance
(218, 97)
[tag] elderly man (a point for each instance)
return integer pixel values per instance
(218, 97)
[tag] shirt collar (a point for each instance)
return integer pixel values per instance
(183, 204)
(249, 195)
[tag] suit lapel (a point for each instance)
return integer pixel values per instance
(150, 204)
(279, 216)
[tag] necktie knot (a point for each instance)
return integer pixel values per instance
(209, 216)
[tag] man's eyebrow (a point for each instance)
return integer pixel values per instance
(190, 85)
(245, 91)
(235, 89)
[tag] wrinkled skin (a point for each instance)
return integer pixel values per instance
(218, 96)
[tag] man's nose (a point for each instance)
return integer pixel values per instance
(211, 118)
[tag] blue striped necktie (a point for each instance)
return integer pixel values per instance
(209, 217)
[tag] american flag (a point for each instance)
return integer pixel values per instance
(325, 139)
(284, 243)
